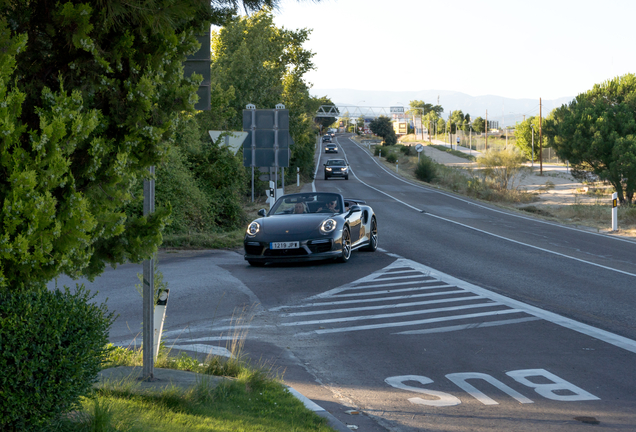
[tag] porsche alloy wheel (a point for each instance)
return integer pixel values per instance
(373, 239)
(346, 245)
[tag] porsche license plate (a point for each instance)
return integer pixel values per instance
(284, 245)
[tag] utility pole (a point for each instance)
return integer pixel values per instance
(540, 139)
(486, 148)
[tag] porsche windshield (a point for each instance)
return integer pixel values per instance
(305, 203)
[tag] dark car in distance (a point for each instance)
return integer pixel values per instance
(326, 138)
(336, 168)
(311, 226)
(331, 148)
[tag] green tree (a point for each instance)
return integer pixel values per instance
(430, 120)
(479, 125)
(265, 65)
(456, 120)
(597, 132)
(523, 137)
(383, 127)
(425, 108)
(442, 127)
(101, 89)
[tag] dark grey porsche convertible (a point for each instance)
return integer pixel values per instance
(311, 226)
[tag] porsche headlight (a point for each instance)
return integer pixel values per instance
(328, 169)
(328, 226)
(253, 229)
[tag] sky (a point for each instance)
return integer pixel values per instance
(530, 49)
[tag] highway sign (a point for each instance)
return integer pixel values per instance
(419, 148)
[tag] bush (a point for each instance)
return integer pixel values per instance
(426, 169)
(51, 348)
(377, 149)
(501, 167)
(391, 157)
(408, 150)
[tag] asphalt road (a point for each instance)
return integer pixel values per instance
(468, 318)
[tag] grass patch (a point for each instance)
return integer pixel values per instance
(453, 152)
(252, 402)
(250, 398)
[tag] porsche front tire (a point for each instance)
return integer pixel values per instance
(346, 246)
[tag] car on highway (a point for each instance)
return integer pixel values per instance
(326, 138)
(310, 226)
(336, 168)
(331, 148)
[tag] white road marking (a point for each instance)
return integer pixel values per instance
(447, 286)
(391, 291)
(418, 322)
(470, 326)
(380, 307)
(357, 301)
(392, 315)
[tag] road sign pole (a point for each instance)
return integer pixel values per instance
(148, 287)
(253, 108)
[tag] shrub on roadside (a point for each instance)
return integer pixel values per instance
(408, 150)
(426, 169)
(391, 158)
(376, 150)
(501, 167)
(51, 347)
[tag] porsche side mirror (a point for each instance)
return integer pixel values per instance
(262, 212)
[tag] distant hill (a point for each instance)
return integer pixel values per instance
(510, 110)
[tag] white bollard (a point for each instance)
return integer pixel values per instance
(159, 317)
(396, 168)
(297, 176)
(614, 211)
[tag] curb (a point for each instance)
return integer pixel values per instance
(309, 404)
